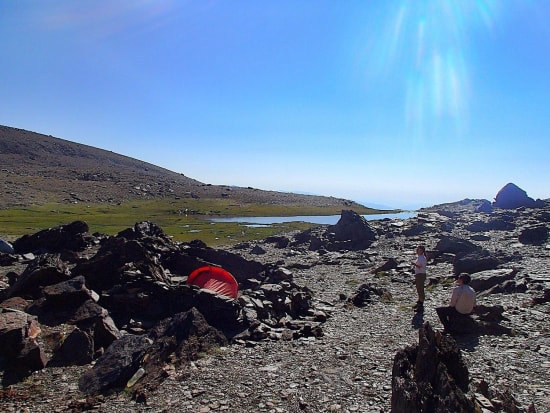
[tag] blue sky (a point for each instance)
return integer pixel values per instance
(394, 102)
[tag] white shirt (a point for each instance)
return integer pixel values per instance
(420, 265)
(463, 299)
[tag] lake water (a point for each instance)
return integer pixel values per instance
(314, 219)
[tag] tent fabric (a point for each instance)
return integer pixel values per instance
(215, 279)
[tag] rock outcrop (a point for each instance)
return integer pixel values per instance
(126, 291)
(315, 326)
(511, 196)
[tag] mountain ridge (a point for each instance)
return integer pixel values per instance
(38, 169)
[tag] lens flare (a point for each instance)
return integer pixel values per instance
(428, 42)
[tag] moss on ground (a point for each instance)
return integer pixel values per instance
(184, 220)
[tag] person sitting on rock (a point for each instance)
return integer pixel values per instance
(463, 301)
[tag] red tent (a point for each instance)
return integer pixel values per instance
(215, 279)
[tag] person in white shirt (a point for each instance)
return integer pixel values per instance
(463, 301)
(420, 277)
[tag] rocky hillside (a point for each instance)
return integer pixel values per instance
(37, 168)
(323, 320)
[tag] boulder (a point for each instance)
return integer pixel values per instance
(280, 241)
(72, 237)
(534, 235)
(116, 366)
(13, 329)
(6, 247)
(430, 377)
(485, 280)
(76, 349)
(390, 264)
(484, 320)
(454, 245)
(511, 197)
(220, 311)
(69, 292)
(46, 269)
(184, 335)
(367, 292)
(496, 224)
(352, 232)
(20, 353)
(475, 261)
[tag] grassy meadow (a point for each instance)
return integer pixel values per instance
(184, 220)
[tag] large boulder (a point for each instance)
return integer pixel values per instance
(72, 237)
(177, 340)
(116, 366)
(511, 197)
(351, 232)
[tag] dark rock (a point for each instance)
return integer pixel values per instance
(416, 230)
(508, 287)
(29, 359)
(121, 261)
(144, 229)
(54, 314)
(484, 320)
(116, 366)
(71, 237)
(498, 224)
(279, 241)
(13, 329)
(454, 209)
(15, 303)
(430, 377)
(475, 261)
(485, 280)
(241, 268)
(454, 245)
(390, 264)
(511, 197)
(257, 250)
(278, 274)
(534, 235)
(184, 335)
(224, 313)
(76, 349)
(46, 269)
(6, 247)
(352, 232)
(367, 292)
(70, 292)
(20, 352)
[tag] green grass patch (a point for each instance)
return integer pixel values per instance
(184, 220)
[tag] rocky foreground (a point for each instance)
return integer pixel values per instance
(322, 318)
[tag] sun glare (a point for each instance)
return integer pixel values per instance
(427, 45)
